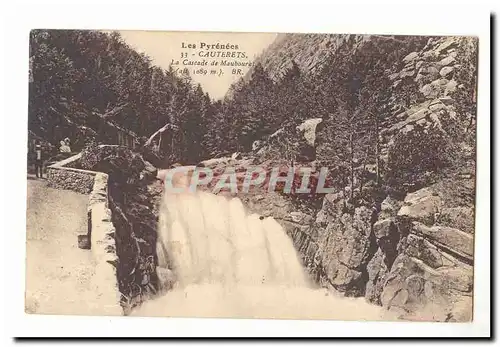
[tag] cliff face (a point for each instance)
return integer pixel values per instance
(309, 51)
(408, 248)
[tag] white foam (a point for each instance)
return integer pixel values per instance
(232, 264)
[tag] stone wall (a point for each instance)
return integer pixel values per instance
(62, 176)
(103, 247)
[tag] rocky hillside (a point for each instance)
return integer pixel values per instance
(400, 230)
(309, 51)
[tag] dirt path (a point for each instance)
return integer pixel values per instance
(58, 273)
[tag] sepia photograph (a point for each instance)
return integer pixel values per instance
(251, 175)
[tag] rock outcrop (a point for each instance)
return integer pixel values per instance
(398, 256)
(302, 142)
(432, 73)
(309, 51)
(433, 267)
(308, 129)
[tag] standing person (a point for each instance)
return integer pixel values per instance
(64, 148)
(38, 160)
(67, 142)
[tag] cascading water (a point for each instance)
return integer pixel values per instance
(229, 263)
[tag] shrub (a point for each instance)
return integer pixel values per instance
(418, 158)
(120, 163)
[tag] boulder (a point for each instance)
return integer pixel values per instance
(356, 241)
(437, 106)
(377, 270)
(344, 278)
(407, 73)
(421, 206)
(429, 55)
(345, 248)
(299, 217)
(452, 240)
(215, 162)
(408, 128)
(425, 293)
(450, 87)
(448, 43)
(448, 60)
(389, 207)
(393, 284)
(410, 57)
(333, 205)
(420, 78)
(256, 145)
(308, 128)
(430, 91)
(447, 100)
(461, 217)
(445, 71)
(453, 279)
(430, 70)
(419, 113)
(418, 247)
(440, 82)
(236, 156)
(149, 173)
(384, 228)
(393, 76)
(434, 117)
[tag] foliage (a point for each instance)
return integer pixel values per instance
(76, 75)
(133, 206)
(418, 158)
(466, 94)
(120, 163)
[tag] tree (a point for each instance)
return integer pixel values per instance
(77, 75)
(465, 96)
(418, 158)
(374, 103)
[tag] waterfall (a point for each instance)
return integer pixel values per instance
(234, 264)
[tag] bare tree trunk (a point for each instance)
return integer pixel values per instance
(361, 181)
(377, 152)
(352, 164)
(471, 121)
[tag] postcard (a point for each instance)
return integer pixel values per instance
(251, 175)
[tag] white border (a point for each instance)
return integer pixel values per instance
(423, 17)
